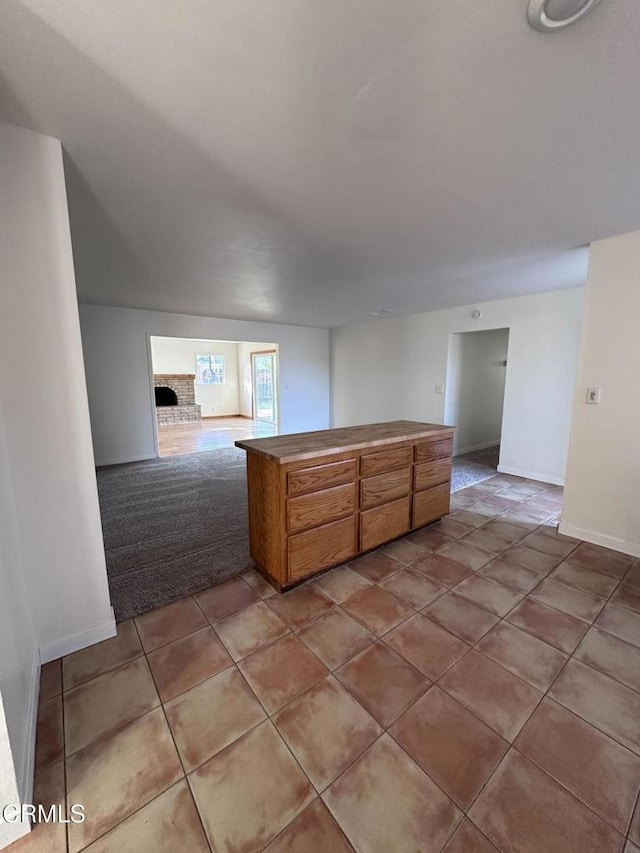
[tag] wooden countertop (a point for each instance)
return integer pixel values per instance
(325, 442)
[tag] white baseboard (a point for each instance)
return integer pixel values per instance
(122, 460)
(531, 475)
(603, 539)
(59, 648)
(473, 447)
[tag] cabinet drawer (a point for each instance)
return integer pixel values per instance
(319, 508)
(384, 487)
(321, 477)
(322, 547)
(434, 449)
(384, 523)
(385, 460)
(431, 504)
(428, 474)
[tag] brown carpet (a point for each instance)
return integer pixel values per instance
(178, 525)
(172, 527)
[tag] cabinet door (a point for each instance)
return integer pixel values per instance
(384, 523)
(321, 547)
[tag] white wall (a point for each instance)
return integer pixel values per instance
(178, 355)
(388, 369)
(245, 380)
(19, 661)
(602, 494)
(474, 390)
(117, 360)
(245, 373)
(53, 583)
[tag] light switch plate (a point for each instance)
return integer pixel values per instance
(593, 396)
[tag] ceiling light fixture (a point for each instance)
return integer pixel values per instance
(553, 15)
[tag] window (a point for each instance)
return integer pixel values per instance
(210, 369)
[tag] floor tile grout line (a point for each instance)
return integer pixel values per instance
(512, 744)
(175, 746)
(269, 719)
(589, 722)
(163, 645)
(602, 671)
(299, 696)
(542, 697)
(305, 624)
(623, 833)
(335, 820)
(589, 627)
(418, 610)
(64, 764)
(117, 728)
(346, 687)
(376, 635)
(633, 812)
(269, 716)
(106, 671)
(546, 695)
(160, 793)
(464, 810)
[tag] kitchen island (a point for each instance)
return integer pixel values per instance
(319, 499)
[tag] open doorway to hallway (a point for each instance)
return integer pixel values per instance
(474, 399)
(209, 394)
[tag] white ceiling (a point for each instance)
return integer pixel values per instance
(313, 161)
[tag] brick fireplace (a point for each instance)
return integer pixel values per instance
(185, 410)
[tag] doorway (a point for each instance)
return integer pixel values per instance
(210, 393)
(264, 375)
(474, 399)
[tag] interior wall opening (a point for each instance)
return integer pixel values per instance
(209, 394)
(474, 399)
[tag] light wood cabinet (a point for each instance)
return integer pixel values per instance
(428, 474)
(384, 523)
(318, 499)
(384, 487)
(321, 507)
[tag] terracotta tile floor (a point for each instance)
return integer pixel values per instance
(473, 687)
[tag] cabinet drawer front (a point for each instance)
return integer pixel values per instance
(384, 487)
(320, 507)
(322, 547)
(385, 460)
(428, 474)
(384, 523)
(431, 505)
(321, 477)
(434, 449)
